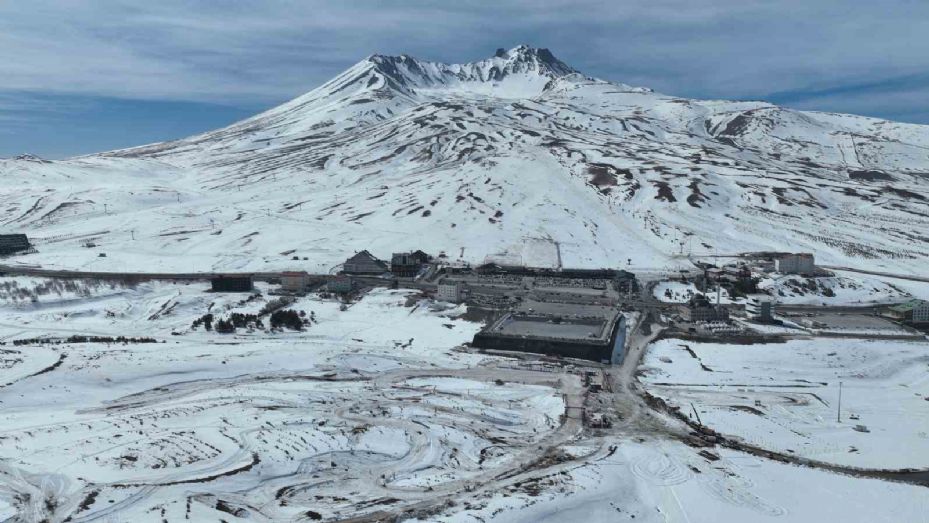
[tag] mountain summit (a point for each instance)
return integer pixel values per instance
(516, 158)
(520, 72)
(521, 60)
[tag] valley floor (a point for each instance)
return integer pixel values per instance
(374, 411)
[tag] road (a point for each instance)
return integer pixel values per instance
(641, 417)
(859, 309)
(19, 270)
(911, 277)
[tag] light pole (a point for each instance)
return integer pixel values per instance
(838, 411)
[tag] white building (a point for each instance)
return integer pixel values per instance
(295, 281)
(921, 312)
(800, 263)
(760, 307)
(450, 291)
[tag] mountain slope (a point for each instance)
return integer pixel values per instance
(516, 158)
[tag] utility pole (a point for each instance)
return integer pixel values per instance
(104, 209)
(838, 411)
(695, 413)
(133, 233)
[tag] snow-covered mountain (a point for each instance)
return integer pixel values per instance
(517, 158)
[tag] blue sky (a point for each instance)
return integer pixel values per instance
(80, 77)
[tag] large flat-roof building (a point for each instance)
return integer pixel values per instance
(596, 338)
(621, 281)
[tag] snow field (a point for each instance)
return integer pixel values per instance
(784, 396)
(677, 292)
(839, 290)
(366, 405)
(667, 481)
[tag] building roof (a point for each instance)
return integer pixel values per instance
(699, 301)
(364, 256)
(408, 258)
(907, 306)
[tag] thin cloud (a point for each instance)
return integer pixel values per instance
(234, 50)
(839, 55)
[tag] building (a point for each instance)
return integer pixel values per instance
(596, 420)
(296, 282)
(13, 243)
(800, 263)
(622, 281)
(921, 312)
(625, 282)
(913, 311)
(364, 263)
(340, 284)
(545, 272)
(760, 307)
(900, 312)
(700, 310)
(408, 264)
(595, 338)
(231, 284)
(719, 328)
(450, 291)
(705, 314)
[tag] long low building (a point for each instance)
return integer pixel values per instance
(595, 338)
(13, 243)
(232, 283)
